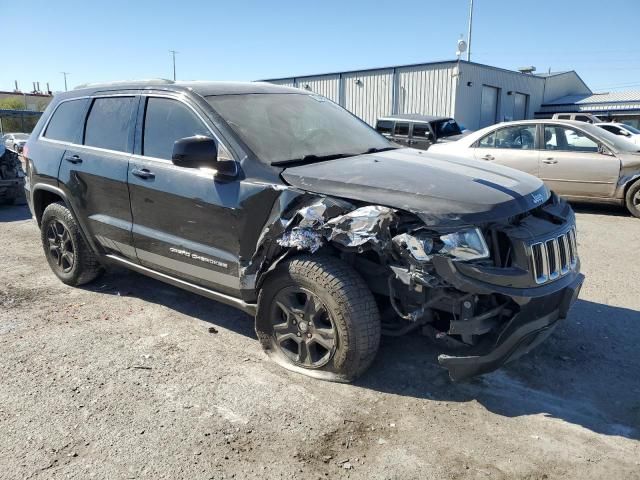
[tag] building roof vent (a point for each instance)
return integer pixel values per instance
(529, 70)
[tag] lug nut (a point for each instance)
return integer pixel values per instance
(308, 335)
(298, 333)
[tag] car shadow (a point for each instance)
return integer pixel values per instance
(600, 209)
(14, 213)
(586, 373)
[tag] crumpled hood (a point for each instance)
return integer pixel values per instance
(442, 190)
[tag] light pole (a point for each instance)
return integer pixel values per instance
(65, 79)
(470, 28)
(173, 54)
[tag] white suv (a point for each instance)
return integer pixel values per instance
(630, 133)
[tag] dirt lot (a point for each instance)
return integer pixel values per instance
(123, 379)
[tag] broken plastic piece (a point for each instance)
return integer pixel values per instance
(360, 226)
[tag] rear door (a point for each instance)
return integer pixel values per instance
(401, 133)
(513, 146)
(185, 221)
(421, 136)
(571, 165)
(94, 172)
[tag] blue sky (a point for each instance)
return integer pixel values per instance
(248, 40)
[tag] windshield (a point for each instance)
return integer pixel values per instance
(619, 143)
(633, 130)
(446, 128)
(281, 126)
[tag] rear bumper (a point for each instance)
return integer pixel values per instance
(536, 320)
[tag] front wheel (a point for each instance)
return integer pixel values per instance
(632, 199)
(317, 316)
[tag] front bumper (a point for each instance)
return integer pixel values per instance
(536, 320)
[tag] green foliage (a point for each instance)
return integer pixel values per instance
(11, 103)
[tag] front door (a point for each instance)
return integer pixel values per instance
(185, 221)
(510, 146)
(93, 172)
(401, 133)
(421, 136)
(571, 165)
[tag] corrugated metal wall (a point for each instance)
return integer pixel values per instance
(560, 85)
(285, 82)
(369, 94)
(427, 89)
(327, 85)
(469, 98)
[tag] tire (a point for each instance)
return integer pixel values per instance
(339, 338)
(632, 199)
(74, 264)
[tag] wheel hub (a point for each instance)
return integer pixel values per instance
(302, 328)
(60, 246)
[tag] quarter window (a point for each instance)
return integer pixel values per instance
(165, 122)
(109, 123)
(567, 139)
(66, 123)
(402, 129)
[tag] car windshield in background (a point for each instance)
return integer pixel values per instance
(446, 128)
(296, 127)
(619, 143)
(633, 130)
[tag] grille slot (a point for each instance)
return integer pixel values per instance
(555, 257)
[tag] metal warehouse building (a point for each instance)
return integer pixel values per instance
(476, 95)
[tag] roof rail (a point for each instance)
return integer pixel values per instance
(151, 81)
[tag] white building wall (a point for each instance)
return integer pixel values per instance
(369, 94)
(427, 89)
(285, 82)
(326, 85)
(468, 98)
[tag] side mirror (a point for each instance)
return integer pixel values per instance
(430, 136)
(201, 152)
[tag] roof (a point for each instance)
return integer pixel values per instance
(414, 117)
(597, 98)
(204, 88)
(391, 67)
(553, 74)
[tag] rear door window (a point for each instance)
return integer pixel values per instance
(421, 130)
(66, 122)
(385, 127)
(402, 129)
(109, 123)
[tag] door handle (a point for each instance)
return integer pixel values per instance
(550, 161)
(143, 173)
(75, 159)
(488, 157)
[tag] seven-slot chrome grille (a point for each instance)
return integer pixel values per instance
(555, 257)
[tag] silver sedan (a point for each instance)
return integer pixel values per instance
(577, 160)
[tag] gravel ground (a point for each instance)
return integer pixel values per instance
(124, 379)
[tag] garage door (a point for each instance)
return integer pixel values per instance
(519, 106)
(489, 106)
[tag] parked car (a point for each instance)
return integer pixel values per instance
(11, 177)
(577, 160)
(15, 141)
(281, 203)
(420, 131)
(623, 130)
(578, 117)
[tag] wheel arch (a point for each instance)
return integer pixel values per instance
(45, 195)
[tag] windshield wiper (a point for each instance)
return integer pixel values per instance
(313, 158)
(378, 150)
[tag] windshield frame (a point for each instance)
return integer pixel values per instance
(309, 156)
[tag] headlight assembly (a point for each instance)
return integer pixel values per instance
(461, 246)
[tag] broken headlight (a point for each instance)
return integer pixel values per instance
(463, 245)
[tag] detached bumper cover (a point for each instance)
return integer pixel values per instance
(527, 329)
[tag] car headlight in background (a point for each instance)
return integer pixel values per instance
(463, 245)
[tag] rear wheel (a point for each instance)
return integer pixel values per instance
(68, 255)
(317, 316)
(633, 199)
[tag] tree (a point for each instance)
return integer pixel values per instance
(12, 103)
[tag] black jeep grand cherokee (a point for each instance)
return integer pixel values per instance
(281, 203)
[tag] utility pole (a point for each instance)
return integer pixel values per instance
(470, 28)
(173, 54)
(65, 79)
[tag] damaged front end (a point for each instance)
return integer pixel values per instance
(485, 294)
